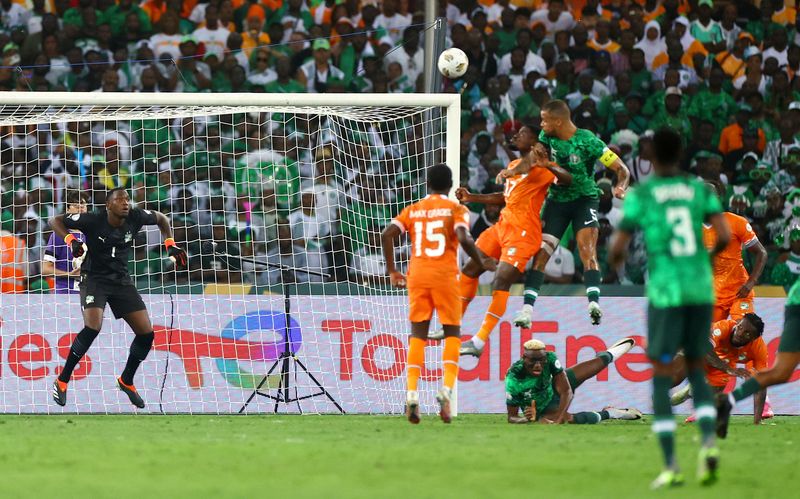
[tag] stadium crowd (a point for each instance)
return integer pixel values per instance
(725, 74)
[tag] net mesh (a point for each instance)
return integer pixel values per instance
(304, 189)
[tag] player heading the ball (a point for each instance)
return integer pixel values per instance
(109, 235)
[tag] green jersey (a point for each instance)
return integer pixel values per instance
(522, 388)
(794, 294)
(578, 156)
(671, 212)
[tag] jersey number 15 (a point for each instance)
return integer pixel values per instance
(428, 231)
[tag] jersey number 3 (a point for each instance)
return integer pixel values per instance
(683, 241)
(436, 240)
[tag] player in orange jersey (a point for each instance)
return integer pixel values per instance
(735, 342)
(732, 284)
(516, 236)
(436, 225)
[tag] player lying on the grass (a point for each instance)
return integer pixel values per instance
(110, 233)
(788, 358)
(515, 238)
(671, 208)
(543, 389)
(437, 225)
(733, 342)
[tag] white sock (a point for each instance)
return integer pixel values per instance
(412, 396)
(478, 342)
(528, 309)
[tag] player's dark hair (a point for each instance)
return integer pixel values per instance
(756, 322)
(110, 193)
(440, 178)
(557, 107)
(667, 146)
(77, 197)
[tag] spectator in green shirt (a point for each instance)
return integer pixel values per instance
(713, 103)
(284, 84)
(673, 115)
(641, 77)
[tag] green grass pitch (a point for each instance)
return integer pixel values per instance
(373, 457)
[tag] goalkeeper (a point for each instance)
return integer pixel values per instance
(543, 389)
(109, 236)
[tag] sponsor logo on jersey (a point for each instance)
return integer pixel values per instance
(717, 332)
(557, 364)
(512, 251)
(75, 217)
(745, 305)
(128, 237)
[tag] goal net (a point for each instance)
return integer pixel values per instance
(293, 192)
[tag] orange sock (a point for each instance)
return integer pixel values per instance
(496, 310)
(469, 288)
(450, 354)
(416, 359)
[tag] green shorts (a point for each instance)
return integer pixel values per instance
(558, 215)
(790, 339)
(556, 400)
(673, 328)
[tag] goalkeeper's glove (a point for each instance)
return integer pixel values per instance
(176, 254)
(78, 249)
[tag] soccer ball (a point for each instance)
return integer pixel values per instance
(453, 63)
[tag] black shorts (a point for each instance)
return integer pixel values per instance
(558, 215)
(122, 298)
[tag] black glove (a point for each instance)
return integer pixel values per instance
(77, 248)
(178, 256)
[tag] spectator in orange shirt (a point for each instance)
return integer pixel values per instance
(731, 137)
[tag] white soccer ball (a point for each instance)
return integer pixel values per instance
(453, 63)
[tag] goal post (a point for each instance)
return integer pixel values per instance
(306, 181)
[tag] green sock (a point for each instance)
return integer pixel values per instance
(664, 423)
(748, 388)
(533, 283)
(591, 278)
(704, 407)
(589, 417)
(605, 357)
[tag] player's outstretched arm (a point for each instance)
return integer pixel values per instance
(466, 242)
(389, 234)
(760, 254)
(60, 228)
(565, 394)
(720, 226)
(713, 360)
(177, 254)
(464, 196)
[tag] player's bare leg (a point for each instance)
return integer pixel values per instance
(92, 322)
(468, 285)
(139, 322)
(450, 366)
(586, 240)
(781, 372)
(505, 275)
(591, 368)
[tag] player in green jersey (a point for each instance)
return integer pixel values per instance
(576, 150)
(671, 208)
(543, 389)
(787, 360)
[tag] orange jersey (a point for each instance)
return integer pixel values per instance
(755, 351)
(525, 195)
(729, 271)
(432, 224)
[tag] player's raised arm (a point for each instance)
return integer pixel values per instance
(464, 196)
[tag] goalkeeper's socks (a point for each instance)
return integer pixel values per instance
(493, 315)
(591, 278)
(452, 345)
(748, 388)
(533, 283)
(468, 289)
(80, 345)
(416, 359)
(664, 422)
(703, 404)
(140, 347)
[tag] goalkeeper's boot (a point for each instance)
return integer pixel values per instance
(681, 395)
(524, 318)
(666, 479)
(625, 414)
(443, 397)
(469, 348)
(724, 409)
(437, 334)
(60, 392)
(131, 392)
(595, 313)
(412, 407)
(707, 463)
(621, 347)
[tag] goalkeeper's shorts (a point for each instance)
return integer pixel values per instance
(445, 299)
(122, 298)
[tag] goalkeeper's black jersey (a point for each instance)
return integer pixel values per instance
(109, 247)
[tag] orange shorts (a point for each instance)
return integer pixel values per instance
(736, 308)
(446, 300)
(509, 244)
(717, 378)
